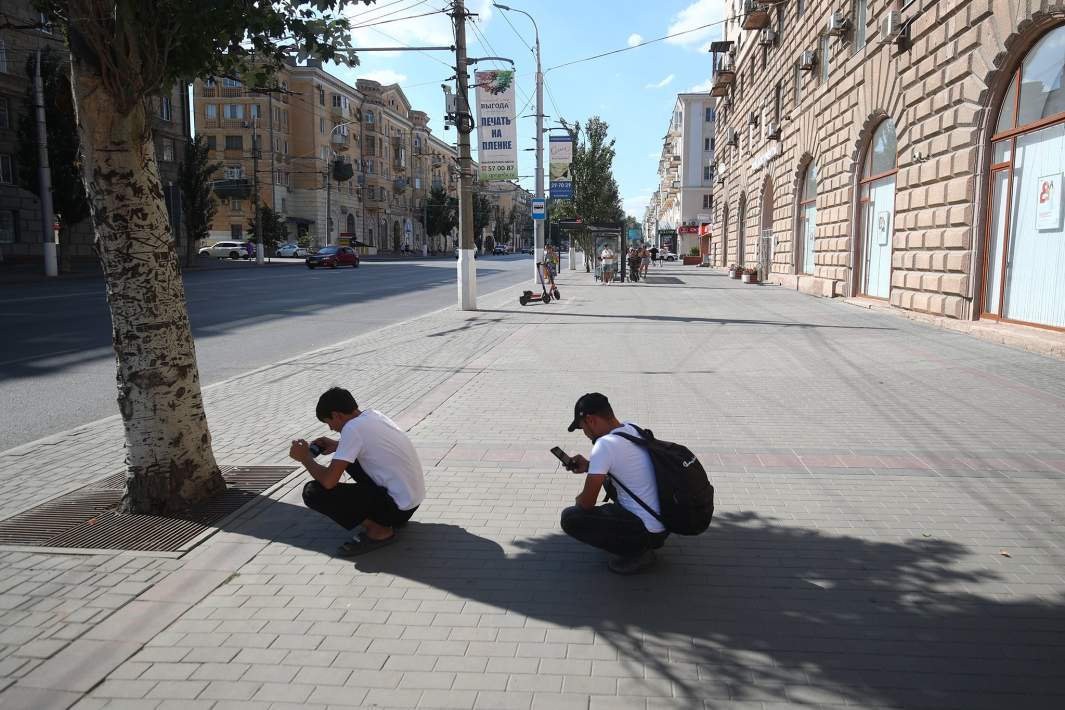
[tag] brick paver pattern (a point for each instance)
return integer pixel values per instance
(888, 530)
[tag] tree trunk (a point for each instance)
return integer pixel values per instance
(169, 461)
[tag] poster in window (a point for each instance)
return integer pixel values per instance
(1048, 203)
(883, 228)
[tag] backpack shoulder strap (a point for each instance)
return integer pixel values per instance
(637, 499)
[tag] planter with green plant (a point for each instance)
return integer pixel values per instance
(692, 258)
(750, 276)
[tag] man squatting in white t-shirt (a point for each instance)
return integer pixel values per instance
(623, 527)
(389, 484)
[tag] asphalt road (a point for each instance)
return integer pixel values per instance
(57, 367)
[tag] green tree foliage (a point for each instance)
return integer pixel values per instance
(197, 197)
(595, 190)
(274, 230)
(483, 210)
(68, 193)
(442, 212)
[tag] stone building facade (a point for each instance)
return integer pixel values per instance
(904, 150)
(312, 119)
(21, 231)
(684, 201)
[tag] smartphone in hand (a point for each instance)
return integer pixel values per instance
(566, 459)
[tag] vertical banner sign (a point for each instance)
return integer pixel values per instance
(497, 144)
(561, 157)
(1048, 203)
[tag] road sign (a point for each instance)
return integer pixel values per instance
(539, 208)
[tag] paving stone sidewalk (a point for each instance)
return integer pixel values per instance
(889, 529)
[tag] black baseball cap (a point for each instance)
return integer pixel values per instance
(591, 403)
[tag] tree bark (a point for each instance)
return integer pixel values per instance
(169, 461)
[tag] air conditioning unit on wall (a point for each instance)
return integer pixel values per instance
(767, 38)
(730, 136)
(837, 24)
(808, 60)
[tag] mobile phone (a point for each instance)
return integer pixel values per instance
(315, 450)
(562, 456)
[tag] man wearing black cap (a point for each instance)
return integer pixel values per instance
(622, 527)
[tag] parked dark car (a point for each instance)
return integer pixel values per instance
(333, 257)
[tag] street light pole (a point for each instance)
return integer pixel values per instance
(467, 271)
(538, 224)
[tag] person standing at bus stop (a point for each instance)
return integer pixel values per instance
(609, 262)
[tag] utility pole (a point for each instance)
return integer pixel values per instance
(44, 176)
(464, 122)
(255, 194)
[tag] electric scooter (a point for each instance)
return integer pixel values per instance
(544, 296)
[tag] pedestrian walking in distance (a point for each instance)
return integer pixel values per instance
(622, 527)
(388, 481)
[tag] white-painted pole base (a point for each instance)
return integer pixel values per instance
(467, 268)
(51, 264)
(572, 257)
(538, 258)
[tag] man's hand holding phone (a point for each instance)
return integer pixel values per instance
(576, 464)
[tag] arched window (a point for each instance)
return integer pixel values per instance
(877, 212)
(807, 227)
(1024, 247)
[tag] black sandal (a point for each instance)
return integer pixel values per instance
(354, 548)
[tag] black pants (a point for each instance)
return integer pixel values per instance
(351, 503)
(612, 528)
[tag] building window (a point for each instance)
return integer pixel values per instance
(706, 144)
(709, 113)
(807, 227)
(168, 150)
(321, 96)
(3, 57)
(861, 12)
(824, 58)
(233, 112)
(5, 113)
(236, 205)
(321, 125)
(369, 116)
(8, 226)
(802, 7)
(212, 142)
(877, 212)
(708, 201)
(778, 103)
(236, 231)
(234, 142)
(706, 172)
(798, 85)
(284, 204)
(234, 172)
(1024, 247)
(165, 110)
(208, 83)
(7, 170)
(230, 83)
(211, 111)
(256, 111)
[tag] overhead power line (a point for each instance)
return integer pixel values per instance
(635, 46)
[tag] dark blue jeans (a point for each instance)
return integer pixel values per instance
(612, 528)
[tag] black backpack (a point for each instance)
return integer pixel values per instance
(685, 495)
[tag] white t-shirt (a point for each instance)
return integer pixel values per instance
(386, 454)
(631, 465)
(607, 257)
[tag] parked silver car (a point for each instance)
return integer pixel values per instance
(292, 250)
(226, 250)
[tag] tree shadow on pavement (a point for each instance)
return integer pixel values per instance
(752, 610)
(693, 319)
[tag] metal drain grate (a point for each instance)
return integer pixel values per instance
(662, 280)
(87, 518)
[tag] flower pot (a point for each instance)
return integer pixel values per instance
(750, 278)
(692, 260)
(735, 274)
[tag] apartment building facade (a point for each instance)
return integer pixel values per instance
(905, 151)
(683, 203)
(310, 121)
(22, 234)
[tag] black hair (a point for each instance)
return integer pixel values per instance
(335, 399)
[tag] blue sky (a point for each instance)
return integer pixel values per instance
(633, 91)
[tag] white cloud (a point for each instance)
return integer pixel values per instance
(635, 205)
(700, 12)
(383, 76)
(634, 39)
(702, 87)
(665, 82)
